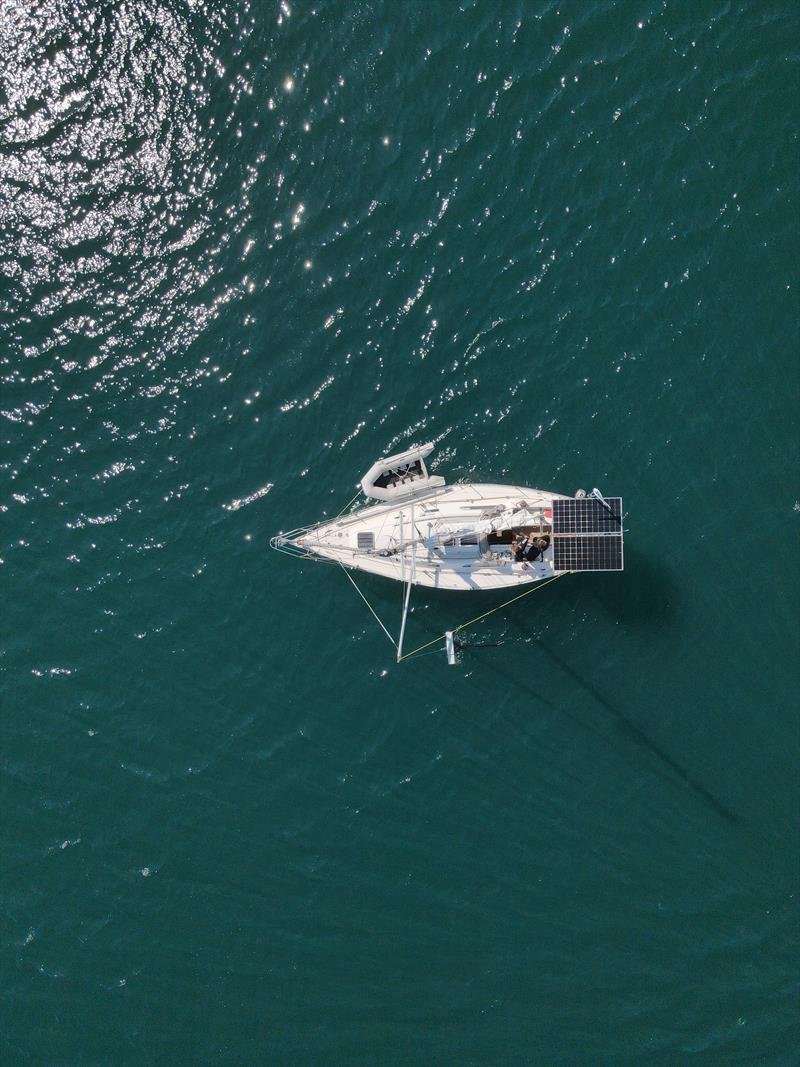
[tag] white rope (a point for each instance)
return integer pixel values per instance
(350, 577)
(349, 504)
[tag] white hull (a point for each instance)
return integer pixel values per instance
(453, 537)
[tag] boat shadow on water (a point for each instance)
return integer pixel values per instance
(643, 596)
(666, 766)
(646, 599)
(630, 729)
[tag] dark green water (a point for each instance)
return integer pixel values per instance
(246, 249)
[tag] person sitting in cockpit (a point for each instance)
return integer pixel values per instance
(537, 548)
(519, 546)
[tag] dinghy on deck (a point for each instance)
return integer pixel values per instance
(401, 476)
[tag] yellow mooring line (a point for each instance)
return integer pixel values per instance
(464, 625)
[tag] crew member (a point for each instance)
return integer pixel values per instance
(537, 548)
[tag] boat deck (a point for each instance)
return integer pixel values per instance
(432, 540)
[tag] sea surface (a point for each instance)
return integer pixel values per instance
(246, 248)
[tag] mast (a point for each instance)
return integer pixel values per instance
(411, 575)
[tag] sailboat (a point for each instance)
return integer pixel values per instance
(464, 537)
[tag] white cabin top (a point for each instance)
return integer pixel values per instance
(403, 475)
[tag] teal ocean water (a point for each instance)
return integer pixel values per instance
(247, 248)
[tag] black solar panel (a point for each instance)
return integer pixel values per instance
(576, 553)
(587, 515)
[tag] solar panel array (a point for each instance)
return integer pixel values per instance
(587, 515)
(586, 535)
(587, 553)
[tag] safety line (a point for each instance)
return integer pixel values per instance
(344, 509)
(464, 625)
(368, 605)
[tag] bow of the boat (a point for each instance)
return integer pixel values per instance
(291, 544)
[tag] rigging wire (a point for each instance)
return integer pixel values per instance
(471, 622)
(372, 610)
(349, 504)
